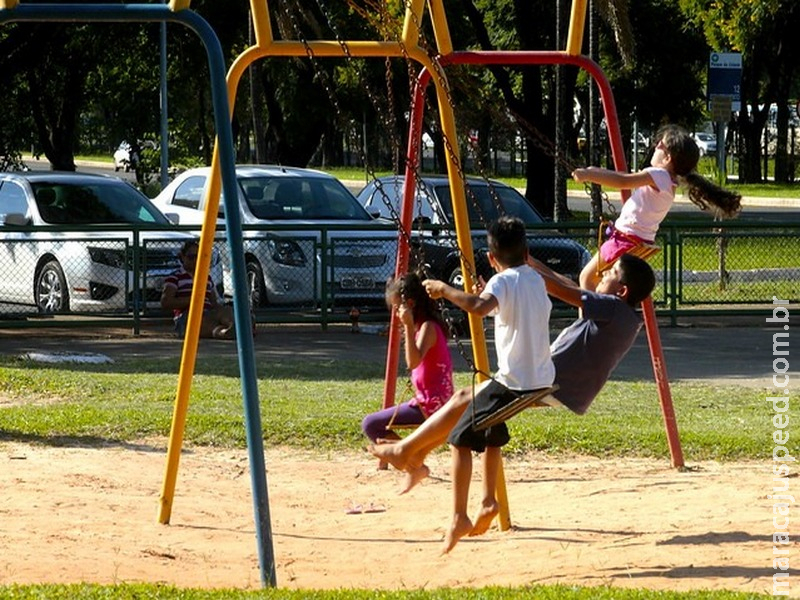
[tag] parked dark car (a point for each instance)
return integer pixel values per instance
(486, 200)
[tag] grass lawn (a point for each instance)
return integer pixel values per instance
(126, 401)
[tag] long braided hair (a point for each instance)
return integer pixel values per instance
(704, 193)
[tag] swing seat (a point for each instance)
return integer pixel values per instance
(645, 251)
(537, 398)
(641, 250)
(392, 427)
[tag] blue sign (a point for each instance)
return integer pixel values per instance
(725, 77)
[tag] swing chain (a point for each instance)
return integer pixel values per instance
(325, 80)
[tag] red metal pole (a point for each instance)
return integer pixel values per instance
(660, 373)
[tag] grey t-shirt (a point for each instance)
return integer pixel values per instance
(586, 352)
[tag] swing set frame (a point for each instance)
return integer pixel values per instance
(409, 48)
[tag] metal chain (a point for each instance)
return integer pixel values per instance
(323, 77)
(548, 148)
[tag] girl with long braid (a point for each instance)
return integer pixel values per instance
(673, 164)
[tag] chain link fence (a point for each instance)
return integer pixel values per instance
(735, 266)
(320, 275)
(299, 275)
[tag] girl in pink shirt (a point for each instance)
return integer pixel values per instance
(427, 357)
(673, 163)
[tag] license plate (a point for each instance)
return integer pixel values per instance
(357, 283)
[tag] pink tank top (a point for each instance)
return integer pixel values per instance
(433, 377)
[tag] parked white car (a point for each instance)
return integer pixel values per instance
(61, 271)
(285, 212)
(706, 142)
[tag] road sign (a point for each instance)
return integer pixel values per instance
(721, 108)
(725, 77)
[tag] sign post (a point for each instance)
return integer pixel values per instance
(724, 95)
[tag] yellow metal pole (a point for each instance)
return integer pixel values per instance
(189, 354)
(259, 14)
(408, 47)
(440, 29)
(577, 21)
(411, 22)
(464, 238)
(190, 343)
(176, 5)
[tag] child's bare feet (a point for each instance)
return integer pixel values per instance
(485, 517)
(387, 440)
(390, 453)
(460, 527)
(413, 476)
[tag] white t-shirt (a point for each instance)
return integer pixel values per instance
(521, 329)
(643, 212)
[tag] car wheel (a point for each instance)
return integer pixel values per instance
(256, 288)
(51, 294)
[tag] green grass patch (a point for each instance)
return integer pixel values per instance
(742, 250)
(319, 405)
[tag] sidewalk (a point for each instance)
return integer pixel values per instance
(737, 352)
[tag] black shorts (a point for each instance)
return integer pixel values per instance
(490, 397)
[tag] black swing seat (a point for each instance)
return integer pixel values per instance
(539, 398)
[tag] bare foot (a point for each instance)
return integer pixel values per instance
(387, 440)
(390, 453)
(413, 476)
(460, 527)
(485, 518)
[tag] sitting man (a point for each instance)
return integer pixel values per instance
(177, 294)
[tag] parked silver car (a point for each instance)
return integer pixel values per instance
(61, 271)
(285, 212)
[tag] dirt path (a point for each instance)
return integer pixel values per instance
(84, 514)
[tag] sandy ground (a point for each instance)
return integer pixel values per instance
(75, 514)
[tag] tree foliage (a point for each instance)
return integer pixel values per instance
(88, 87)
(765, 32)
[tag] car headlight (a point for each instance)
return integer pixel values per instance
(286, 252)
(108, 256)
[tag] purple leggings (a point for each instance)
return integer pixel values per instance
(374, 425)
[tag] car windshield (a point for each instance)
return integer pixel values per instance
(485, 203)
(278, 198)
(65, 203)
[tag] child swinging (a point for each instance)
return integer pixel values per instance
(427, 358)
(633, 232)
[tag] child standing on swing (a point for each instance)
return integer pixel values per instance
(516, 297)
(673, 163)
(427, 357)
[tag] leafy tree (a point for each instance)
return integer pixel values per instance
(765, 32)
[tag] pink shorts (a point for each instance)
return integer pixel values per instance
(617, 245)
